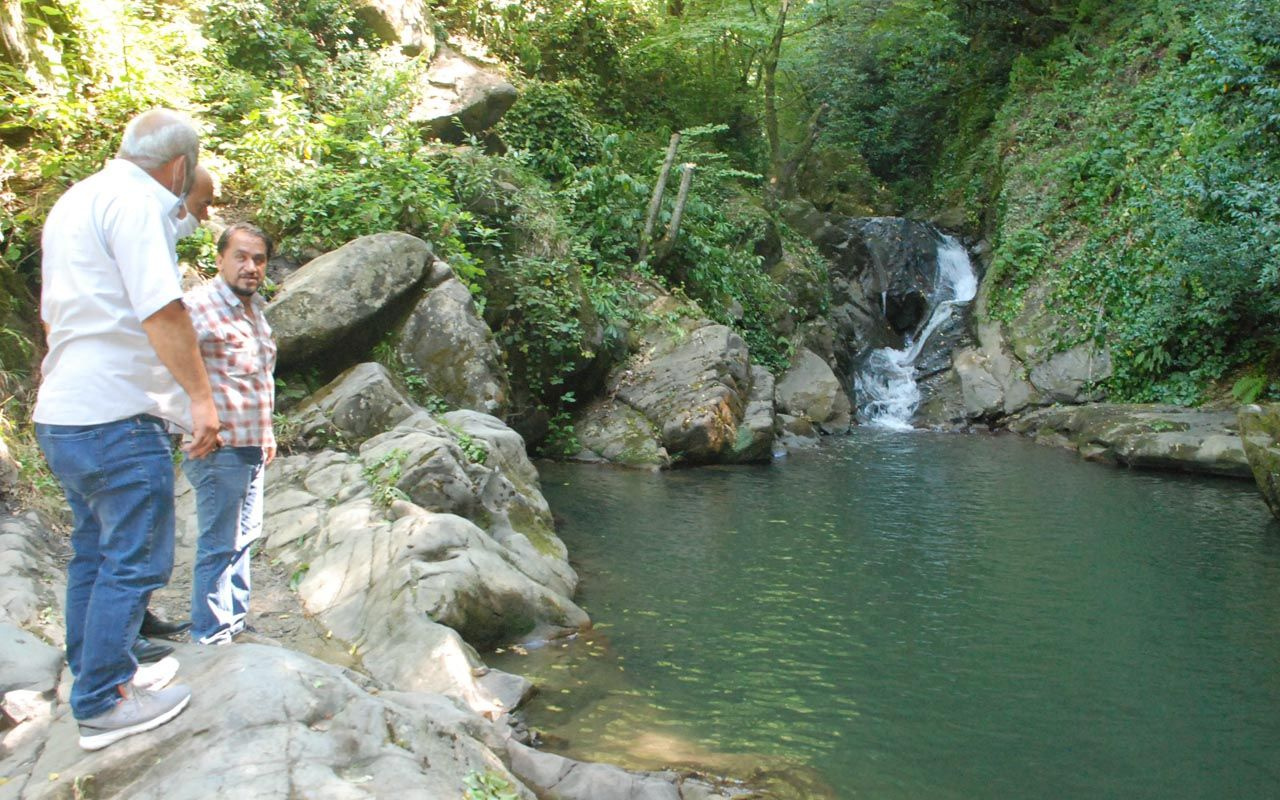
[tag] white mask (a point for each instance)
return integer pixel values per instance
(186, 225)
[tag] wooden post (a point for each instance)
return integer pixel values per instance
(667, 243)
(655, 202)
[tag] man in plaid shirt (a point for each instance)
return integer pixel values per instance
(239, 355)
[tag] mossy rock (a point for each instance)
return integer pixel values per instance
(1260, 433)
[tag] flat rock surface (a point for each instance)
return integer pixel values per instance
(1148, 436)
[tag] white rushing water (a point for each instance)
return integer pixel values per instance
(885, 387)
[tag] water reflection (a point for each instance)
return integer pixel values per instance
(925, 616)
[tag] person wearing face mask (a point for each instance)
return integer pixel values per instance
(195, 205)
(122, 371)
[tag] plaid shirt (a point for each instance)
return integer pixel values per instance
(239, 355)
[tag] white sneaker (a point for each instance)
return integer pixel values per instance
(156, 676)
(222, 637)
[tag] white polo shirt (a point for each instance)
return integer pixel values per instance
(109, 263)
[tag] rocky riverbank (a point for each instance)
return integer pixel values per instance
(398, 541)
(349, 688)
(1143, 436)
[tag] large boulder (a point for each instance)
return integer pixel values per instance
(1260, 434)
(991, 380)
(459, 96)
(987, 381)
(1072, 376)
(338, 299)
(1149, 436)
(384, 576)
(406, 24)
(981, 389)
(809, 389)
(444, 468)
(448, 346)
(440, 519)
(360, 403)
(757, 429)
(611, 431)
(1032, 342)
(694, 388)
(516, 514)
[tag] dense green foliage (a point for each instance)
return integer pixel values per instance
(1149, 209)
(307, 124)
(1121, 158)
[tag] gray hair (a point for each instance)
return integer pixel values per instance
(155, 137)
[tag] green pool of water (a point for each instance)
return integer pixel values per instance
(922, 616)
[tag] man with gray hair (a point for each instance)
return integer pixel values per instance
(122, 371)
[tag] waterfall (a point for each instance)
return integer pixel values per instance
(885, 386)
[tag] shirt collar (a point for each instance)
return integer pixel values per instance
(127, 170)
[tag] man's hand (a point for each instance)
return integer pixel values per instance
(268, 454)
(204, 437)
(174, 340)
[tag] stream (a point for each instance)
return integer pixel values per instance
(921, 615)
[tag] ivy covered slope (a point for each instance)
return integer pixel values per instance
(1138, 203)
(1122, 158)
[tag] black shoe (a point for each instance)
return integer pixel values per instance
(147, 651)
(153, 625)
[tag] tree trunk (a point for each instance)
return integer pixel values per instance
(769, 73)
(14, 49)
(787, 178)
(655, 202)
(667, 243)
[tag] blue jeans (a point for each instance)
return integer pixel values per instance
(228, 484)
(118, 479)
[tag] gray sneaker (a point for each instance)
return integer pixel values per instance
(138, 710)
